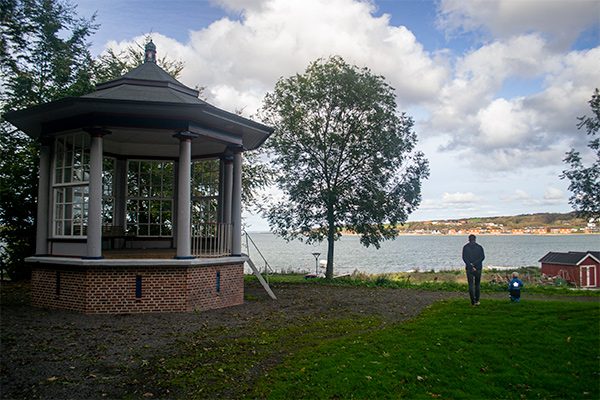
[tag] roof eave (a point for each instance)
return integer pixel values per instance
(19, 118)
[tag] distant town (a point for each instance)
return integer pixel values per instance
(527, 224)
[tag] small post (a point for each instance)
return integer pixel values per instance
(316, 262)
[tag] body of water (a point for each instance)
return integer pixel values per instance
(414, 252)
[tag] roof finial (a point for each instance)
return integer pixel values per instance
(150, 55)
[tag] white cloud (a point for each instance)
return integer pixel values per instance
(501, 133)
(460, 198)
(462, 96)
(518, 195)
(479, 75)
(559, 21)
(275, 38)
(504, 124)
(553, 194)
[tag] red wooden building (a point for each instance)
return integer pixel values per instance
(579, 268)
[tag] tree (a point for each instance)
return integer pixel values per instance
(585, 181)
(344, 155)
(43, 56)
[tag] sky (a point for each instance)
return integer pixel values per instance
(494, 86)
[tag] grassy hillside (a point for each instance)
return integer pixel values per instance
(541, 220)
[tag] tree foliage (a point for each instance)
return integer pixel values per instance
(43, 56)
(585, 181)
(345, 156)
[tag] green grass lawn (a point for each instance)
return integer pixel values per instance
(496, 351)
(420, 281)
(499, 350)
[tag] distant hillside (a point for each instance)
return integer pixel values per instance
(530, 223)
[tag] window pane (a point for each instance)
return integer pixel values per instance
(154, 230)
(67, 228)
(59, 228)
(66, 175)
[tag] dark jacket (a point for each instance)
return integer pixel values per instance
(473, 255)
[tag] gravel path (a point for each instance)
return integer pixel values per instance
(52, 354)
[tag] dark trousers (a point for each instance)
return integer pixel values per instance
(515, 295)
(474, 279)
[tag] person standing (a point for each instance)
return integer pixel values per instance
(473, 256)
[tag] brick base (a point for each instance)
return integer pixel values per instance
(122, 289)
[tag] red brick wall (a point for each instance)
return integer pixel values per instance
(112, 289)
(202, 287)
(72, 288)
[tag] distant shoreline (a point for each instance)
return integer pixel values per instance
(491, 234)
(480, 234)
(466, 234)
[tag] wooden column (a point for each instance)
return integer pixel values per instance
(236, 205)
(41, 237)
(184, 195)
(94, 225)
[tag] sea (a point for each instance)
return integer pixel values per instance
(409, 253)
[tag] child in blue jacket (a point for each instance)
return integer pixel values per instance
(514, 287)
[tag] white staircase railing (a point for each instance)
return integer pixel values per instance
(267, 269)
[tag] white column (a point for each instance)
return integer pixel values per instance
(94, 225)
(236, 205)
(227, 189)
(184, 177)
(41, 237)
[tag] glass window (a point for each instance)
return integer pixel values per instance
(205, 195)
(71, 211)
(72, 159)
(108, 190)
(70, 184)
(150, 198)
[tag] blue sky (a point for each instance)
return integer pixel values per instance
(495, 86)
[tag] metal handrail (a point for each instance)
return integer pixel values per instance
(268, 268)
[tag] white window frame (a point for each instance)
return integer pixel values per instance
(59, 185)
(587, 270)
(139, 198)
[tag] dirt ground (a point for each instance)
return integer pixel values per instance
(53, 354)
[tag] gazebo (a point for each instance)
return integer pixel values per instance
(139, 199)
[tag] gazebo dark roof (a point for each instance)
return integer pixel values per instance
(570, 258)
(145, 98)
(147, 82)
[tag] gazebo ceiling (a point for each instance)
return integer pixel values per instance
(142, 110)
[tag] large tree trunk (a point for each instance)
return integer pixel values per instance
(330, 244)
